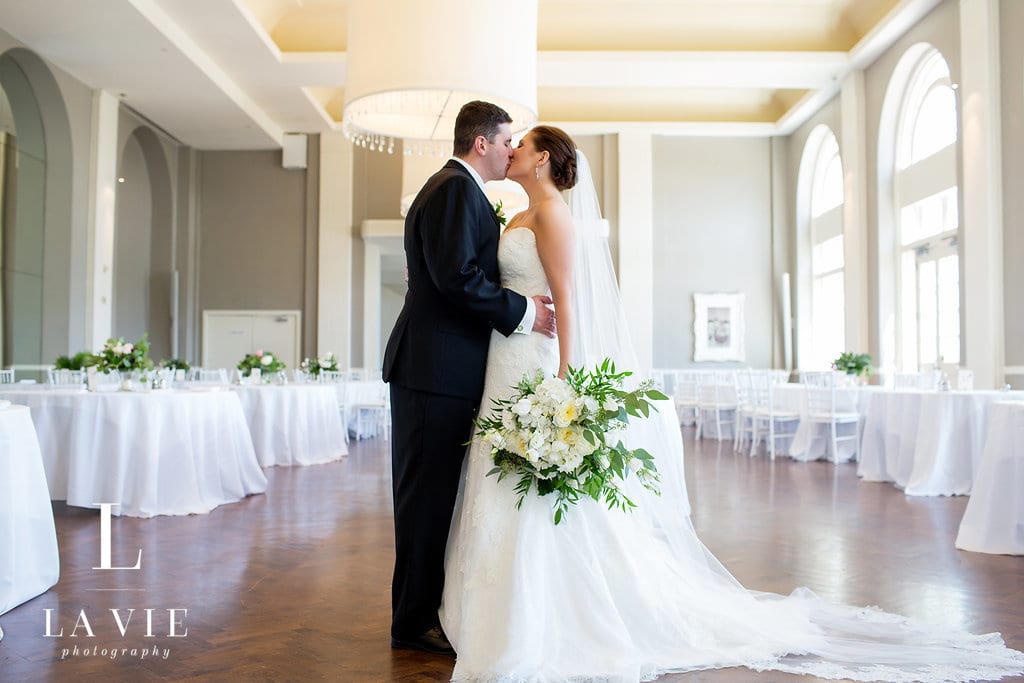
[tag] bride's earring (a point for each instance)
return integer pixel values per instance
(536, 172)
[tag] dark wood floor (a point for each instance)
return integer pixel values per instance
(293, 585)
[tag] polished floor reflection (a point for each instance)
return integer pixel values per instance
(293, 585)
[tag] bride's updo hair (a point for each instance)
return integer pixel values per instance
(562, 150)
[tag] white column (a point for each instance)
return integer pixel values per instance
(102, 196)
(636, 241)
(371, 305)
(982, 211)
(334, 269)
(853, 151)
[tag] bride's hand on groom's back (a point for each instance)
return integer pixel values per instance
(545, 320)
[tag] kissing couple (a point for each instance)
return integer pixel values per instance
(605, 595)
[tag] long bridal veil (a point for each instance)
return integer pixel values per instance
(807, 634)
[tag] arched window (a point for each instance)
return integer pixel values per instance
(928, 217)
(825, 331)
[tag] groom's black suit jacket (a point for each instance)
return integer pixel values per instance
(440, 340)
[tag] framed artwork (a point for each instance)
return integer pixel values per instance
(718, 327)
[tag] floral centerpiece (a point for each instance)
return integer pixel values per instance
(314, 366)
(559, 436)
(856, 364)
(175, 364)
(266, 362)
(79, 361)
(122, 356)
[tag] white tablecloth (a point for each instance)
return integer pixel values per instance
(154, 453)
(293, 424)
(29, 563)
(994, 519)
(926, 442)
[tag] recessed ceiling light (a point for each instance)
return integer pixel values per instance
(120, 180)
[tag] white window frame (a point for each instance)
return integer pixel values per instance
(914, 180)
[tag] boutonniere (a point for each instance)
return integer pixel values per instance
(500, 213)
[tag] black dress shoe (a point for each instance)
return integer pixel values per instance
(432, 640)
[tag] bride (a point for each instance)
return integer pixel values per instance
(613, 596)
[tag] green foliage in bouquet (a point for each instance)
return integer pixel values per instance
(175, 364)
(79, 361)
(854, 364)
(314, 366)
(266, 362)
(117, 354)
(559, 436)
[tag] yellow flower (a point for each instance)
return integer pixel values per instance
(566, 413)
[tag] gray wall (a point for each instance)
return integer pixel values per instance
(1011, 20)
(252, 232)
(712, 233)
(377, 194)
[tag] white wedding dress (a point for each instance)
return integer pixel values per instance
(613, 596)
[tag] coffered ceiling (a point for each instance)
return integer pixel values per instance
(238, 74)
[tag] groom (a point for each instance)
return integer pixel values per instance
(436, 357)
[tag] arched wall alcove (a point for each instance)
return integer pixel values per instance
(143, 243)
(36, 214)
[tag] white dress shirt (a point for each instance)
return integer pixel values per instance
(525, 325)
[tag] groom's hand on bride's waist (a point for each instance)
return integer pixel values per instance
(545, 320)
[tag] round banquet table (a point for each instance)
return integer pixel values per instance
(29, 563)
(994, 519)
(293, 424)
(149, 453)
(926, 442)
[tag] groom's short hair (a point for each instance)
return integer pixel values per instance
(477, 118)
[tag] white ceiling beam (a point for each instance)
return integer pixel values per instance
(676, 128)
(696, 69)
(156, 15)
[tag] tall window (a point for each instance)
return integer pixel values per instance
(828, 319)
(928, 217)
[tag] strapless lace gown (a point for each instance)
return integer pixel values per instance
(607, 596)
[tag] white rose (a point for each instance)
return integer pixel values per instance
(128, 348)
(537, 440)
(267, 359)
(610, 405)
(522, 407)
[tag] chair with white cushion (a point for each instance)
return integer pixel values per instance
(745, 409)
(373, 413)
(833, 406)
(777, 421)
(684, 394)
(716, 405)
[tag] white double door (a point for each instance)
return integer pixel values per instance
(229, 335)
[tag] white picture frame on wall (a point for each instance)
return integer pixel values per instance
(718, 327)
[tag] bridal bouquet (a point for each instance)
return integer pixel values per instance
(559, 435)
